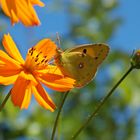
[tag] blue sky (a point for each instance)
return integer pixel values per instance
(126, 37)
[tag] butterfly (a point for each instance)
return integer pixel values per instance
(81, 62)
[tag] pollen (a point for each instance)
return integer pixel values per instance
(35, 60)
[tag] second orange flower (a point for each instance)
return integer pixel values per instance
(21, 11)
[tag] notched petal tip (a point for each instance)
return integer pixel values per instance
(11, 48)
(43, 98)
(38, 2)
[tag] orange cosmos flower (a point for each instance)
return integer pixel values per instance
(27, 75)
(21, 10)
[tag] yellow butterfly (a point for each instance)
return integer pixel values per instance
(81, 62)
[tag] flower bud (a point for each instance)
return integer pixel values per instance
(135, 61)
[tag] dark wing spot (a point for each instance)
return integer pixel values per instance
(100, 44)
(84, 51)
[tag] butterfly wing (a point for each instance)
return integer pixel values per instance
(81, 63)
(96, 51)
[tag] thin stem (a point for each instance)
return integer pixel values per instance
(101, 104)
(5, 100)
(58, 114)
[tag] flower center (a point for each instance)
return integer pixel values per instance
(35, 60)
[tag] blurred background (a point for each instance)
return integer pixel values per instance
(114, 22)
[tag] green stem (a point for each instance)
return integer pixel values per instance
(58, 114)
(101, 104)
(5, 100)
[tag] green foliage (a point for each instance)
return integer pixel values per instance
(91, 20)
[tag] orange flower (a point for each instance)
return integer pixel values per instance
(21, 10)
(27, 75)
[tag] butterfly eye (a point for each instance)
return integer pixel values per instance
(84, 51)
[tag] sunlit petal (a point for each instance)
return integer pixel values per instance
(26, 13)
(53, 78)
(8, 66)
(49, 69)
(57, 83)
(21, 92)
(37, 2)
(14, 17)
(27, 98)
(43, 98)
(7, 5)
(8, 80)
(39, 55)
(47, 47)
(11, 48)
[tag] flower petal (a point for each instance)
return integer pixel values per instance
(49, 69)
(9, 8)
(7, 5)
(57, 83)
(47, 47)
(55, 80)
(27, 98)
(11, 48)
(26, 13)
(39, 55)
(14, 17)
(21, 92)
(8, 80)
(43, 98)
(8, 66)
(37, 2)
(21, 10)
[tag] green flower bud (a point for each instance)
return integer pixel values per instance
(135, 61)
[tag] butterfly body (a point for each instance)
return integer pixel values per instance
(81, 62)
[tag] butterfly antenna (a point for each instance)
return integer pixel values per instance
(58, 39)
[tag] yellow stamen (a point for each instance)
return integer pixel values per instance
(35, 60)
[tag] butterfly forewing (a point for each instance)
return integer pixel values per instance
(81, 62)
